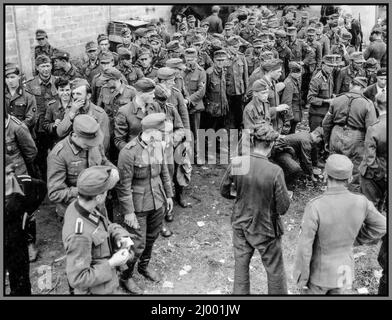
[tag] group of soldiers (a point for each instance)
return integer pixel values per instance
(116, 136)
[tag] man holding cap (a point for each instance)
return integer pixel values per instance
(261, 198)
(127, 123)
(92, 66)
(143, 190)
(345, 125)
(332, 224)
(42, 87)
(94, 246)
(379, 87)
(43, 46)
(18, 102)
(81, 104)
(344, 48)
(347, 74)
(63, 67)
(80, 150)
(114, 94)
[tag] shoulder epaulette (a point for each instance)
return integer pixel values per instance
(51, 102)
(58, 147)
(131, 144)
(16, 120)
(28, 80)
(79, 226)
(176, 89)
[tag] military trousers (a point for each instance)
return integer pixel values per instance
(270, 250)
(194, 122)
(150, 223)
(235, 111)
(317, 150)
(375, 191)
(351, 143)
(43, 143)
(16, 256)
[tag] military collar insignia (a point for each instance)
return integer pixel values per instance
(90, 216)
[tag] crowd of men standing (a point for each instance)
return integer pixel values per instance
(103, 135)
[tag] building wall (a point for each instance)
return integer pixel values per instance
(68, 27)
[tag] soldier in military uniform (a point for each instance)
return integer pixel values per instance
(128, 44)
(127, 123)
(56, 108)
(291, 94)
(143, 190)
(81, 149)
(312, 62)
(22, 195)
(131, 72)
(145, 63)
(345, 125)
(18, 102)
(166, 77)
(332, 224)
(43, 47)
(63, 67)
(344, 48)
(106, 60)
(175, 50)
(195, 85)
(284, 52)
(104, 46)
(92, 66)
(159, 53)
(94, 246)
(347, 74)
(322, 39)
(377, 48)
(114, 94)
(320, 96)
(252, 55)
(261, 196)
(371, 67)
(43, 88)
(373, 170)
(302, 26)
(21, 152)
(250, 33)
(203, 59)
(295, 45)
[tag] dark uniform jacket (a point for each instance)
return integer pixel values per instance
(43, 93)
(145, 182)
(54, 111)
(65, 162)
(89, 70)
(291, 96)
(215, 24)
(253, 60)
(250, 35)
(195, 84)
(332, 223)
(301, 142)
(131, 74)
(159, 58)
(320, 88)
(325, 44)
(177, 100)
(361, 113)
(261, 196)
(374, 164)
(371, 91)
(111, 102)
(97, 83)
(375, 50)
(127, 123)
(89, 240)
(344, 78)
(20, 148)
(237, 74)
(22, 105)
(215, 100)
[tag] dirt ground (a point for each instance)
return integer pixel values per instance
(206, 249)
